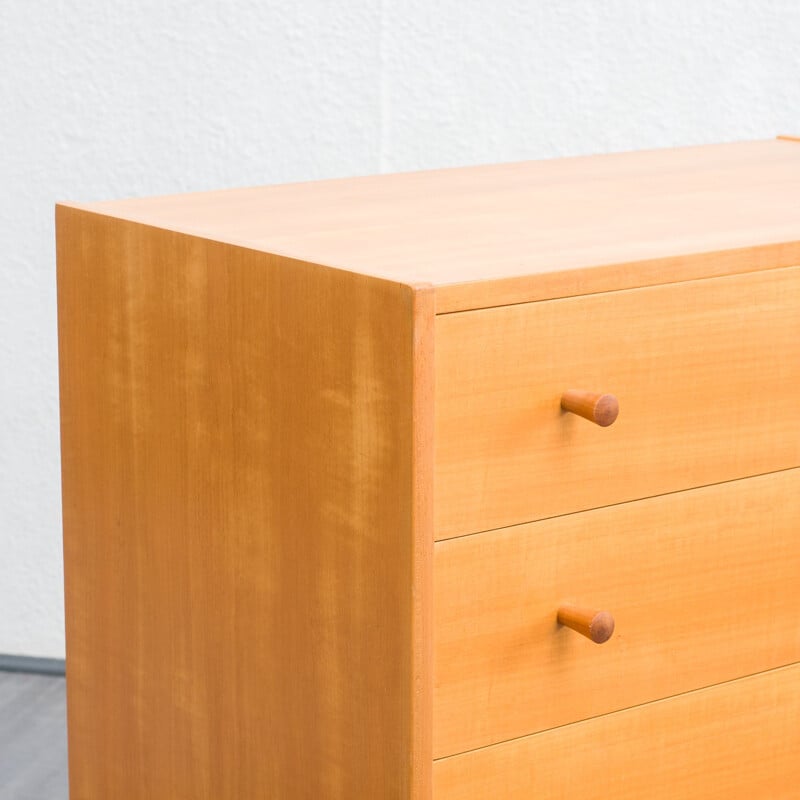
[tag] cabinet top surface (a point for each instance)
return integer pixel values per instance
(491, 235)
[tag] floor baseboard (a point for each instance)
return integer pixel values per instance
(32, 665)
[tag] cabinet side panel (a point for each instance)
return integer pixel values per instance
(247, 536)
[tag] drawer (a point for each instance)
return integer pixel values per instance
(704, 586)
(707, 374)
(737, 741)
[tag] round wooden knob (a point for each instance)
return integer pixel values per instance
(602, 409)
(595, 625)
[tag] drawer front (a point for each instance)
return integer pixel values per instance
(704, 586)
(707, 374)
(737, 741)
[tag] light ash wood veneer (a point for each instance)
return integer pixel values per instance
(247, 531)
(706, 374)
(736, 741)
(274, 402)
(510, 233)
(702, 585)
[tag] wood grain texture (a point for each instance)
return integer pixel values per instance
(736, 741)
(707, 374)
(247, 521)
(703, 586)
(511, 233)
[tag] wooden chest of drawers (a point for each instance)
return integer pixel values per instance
(355, 471)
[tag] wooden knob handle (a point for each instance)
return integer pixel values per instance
(595, 625)
(602, 409)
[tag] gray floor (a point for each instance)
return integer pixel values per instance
(33, 737)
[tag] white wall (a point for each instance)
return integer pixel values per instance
(113, 98)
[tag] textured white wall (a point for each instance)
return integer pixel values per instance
(113, 98)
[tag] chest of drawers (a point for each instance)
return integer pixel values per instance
(475, 483)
